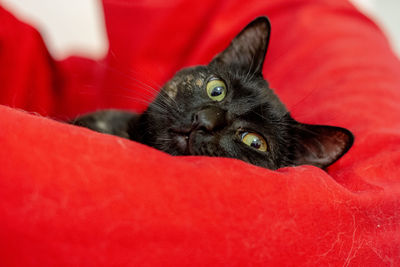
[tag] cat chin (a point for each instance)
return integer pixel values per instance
(195, 142)
(182, 144)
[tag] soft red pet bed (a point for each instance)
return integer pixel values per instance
(69, 196)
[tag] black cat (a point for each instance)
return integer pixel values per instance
(226, 109)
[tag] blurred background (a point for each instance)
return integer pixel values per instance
(76, 27)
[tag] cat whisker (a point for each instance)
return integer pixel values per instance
(167, 96)
(161, 94)
(152, 92)
(145, 85)
(148, 94)
(155, 84)
(161, 109)
(143, 91)
(127, 75)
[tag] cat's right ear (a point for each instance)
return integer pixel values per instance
(247, 50)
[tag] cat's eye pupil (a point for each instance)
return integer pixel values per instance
(256, 143)
(254, 140)
(217, 91)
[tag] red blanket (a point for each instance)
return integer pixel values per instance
(69, 196)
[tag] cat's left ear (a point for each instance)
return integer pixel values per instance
(321, 145)
(247, 50)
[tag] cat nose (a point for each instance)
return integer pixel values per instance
(209, 119)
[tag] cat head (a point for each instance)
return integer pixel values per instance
(227, 109)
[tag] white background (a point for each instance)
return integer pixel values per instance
(69, 27)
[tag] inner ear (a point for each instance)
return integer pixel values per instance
(321, 145)
(247, 50)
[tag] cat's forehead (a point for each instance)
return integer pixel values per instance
(192, 75)
(187, 78)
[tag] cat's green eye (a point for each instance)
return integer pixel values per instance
(216, 90)
(254, 140)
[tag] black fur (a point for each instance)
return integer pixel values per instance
(184, 120)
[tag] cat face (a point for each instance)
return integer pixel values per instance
(227, 109)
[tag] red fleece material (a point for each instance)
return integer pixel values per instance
(70, 196)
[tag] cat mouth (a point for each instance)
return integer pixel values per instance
(184, 140)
